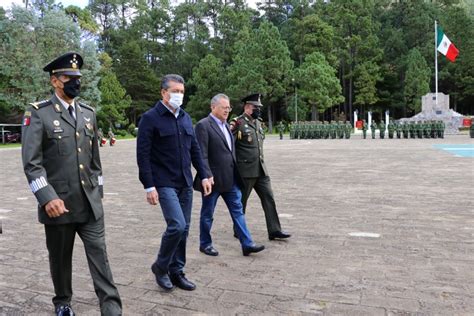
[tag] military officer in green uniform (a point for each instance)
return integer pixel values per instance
(249, 136)
(398, 129)
(61, 161)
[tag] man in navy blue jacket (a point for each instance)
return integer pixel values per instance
(166, 147)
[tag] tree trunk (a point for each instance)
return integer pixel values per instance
(269, 114)
(314, 112)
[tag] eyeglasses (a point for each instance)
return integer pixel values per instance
(227, 108)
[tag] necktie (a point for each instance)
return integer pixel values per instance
(71, 111)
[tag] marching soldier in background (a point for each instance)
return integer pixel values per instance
(391, 129)
(398, 129)
(373, 127)
(281, 129)
(111, 136)
(100, 137)
(61, 161)
(405, 129)
(382, 129)
(364, 129)
(348, 130)
(249, 136)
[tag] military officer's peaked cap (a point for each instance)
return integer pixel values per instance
(67, 64)
(253, 99)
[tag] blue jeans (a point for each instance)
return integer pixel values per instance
(176, 204)
(233, 201)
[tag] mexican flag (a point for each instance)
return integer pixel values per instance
(445, 46)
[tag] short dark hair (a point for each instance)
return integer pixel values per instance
(170, 77)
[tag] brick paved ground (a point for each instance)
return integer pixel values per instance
(418, 198)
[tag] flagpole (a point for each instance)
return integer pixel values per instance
(436, 64)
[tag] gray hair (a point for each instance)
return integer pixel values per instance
(218, 97)
(170, 77)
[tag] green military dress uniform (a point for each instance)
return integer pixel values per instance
(60, 154)
(249, 136)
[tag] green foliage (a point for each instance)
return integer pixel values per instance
(209, 79)
(225, 46)
(318, 83)
(416, 80)
(114, 101)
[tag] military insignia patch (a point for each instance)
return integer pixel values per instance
(26, 120)
(239, 135)
(89, 126)
(249, 139)
(58, 109)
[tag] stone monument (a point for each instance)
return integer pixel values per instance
(438, 111)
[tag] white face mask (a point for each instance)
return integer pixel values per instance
(176, 99)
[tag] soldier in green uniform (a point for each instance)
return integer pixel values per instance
(348, 130)
(412, 129)
(373, 127)
(333, 129)
(382, 129)
(391, 129)
(405, 129)
(427, 129)
(364, 129)
(398, 129)
(281, 129)
(419, 129)
(61, 161)
(249, 136)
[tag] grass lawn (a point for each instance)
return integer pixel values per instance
(11, 145)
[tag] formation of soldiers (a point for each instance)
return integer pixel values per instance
(320, 130)
(340, 130)
(420, 129)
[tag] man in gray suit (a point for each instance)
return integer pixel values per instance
(61, 161)
(218, 152)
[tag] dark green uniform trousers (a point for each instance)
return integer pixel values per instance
(60, 243)
(263, 187)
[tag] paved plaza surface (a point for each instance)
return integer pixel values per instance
(381, 227)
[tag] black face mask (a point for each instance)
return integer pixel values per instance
(256, 113)
(72, 88)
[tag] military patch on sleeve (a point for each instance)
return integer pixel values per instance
(26, 118)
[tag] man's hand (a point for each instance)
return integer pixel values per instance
(211, 179)
(207, 186)
(152, 197)
(55, 208)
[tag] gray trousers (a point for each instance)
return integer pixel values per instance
(60, 243)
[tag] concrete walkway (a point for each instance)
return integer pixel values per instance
(381, 227)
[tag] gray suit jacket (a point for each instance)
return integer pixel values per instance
(218, 158)
(61, 158)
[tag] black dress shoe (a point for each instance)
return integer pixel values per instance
(209, 250)
(180, 281)
(64, 310)
(279, 235)
(254, 248)
(162, 278)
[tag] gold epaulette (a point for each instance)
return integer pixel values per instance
(41, 104)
